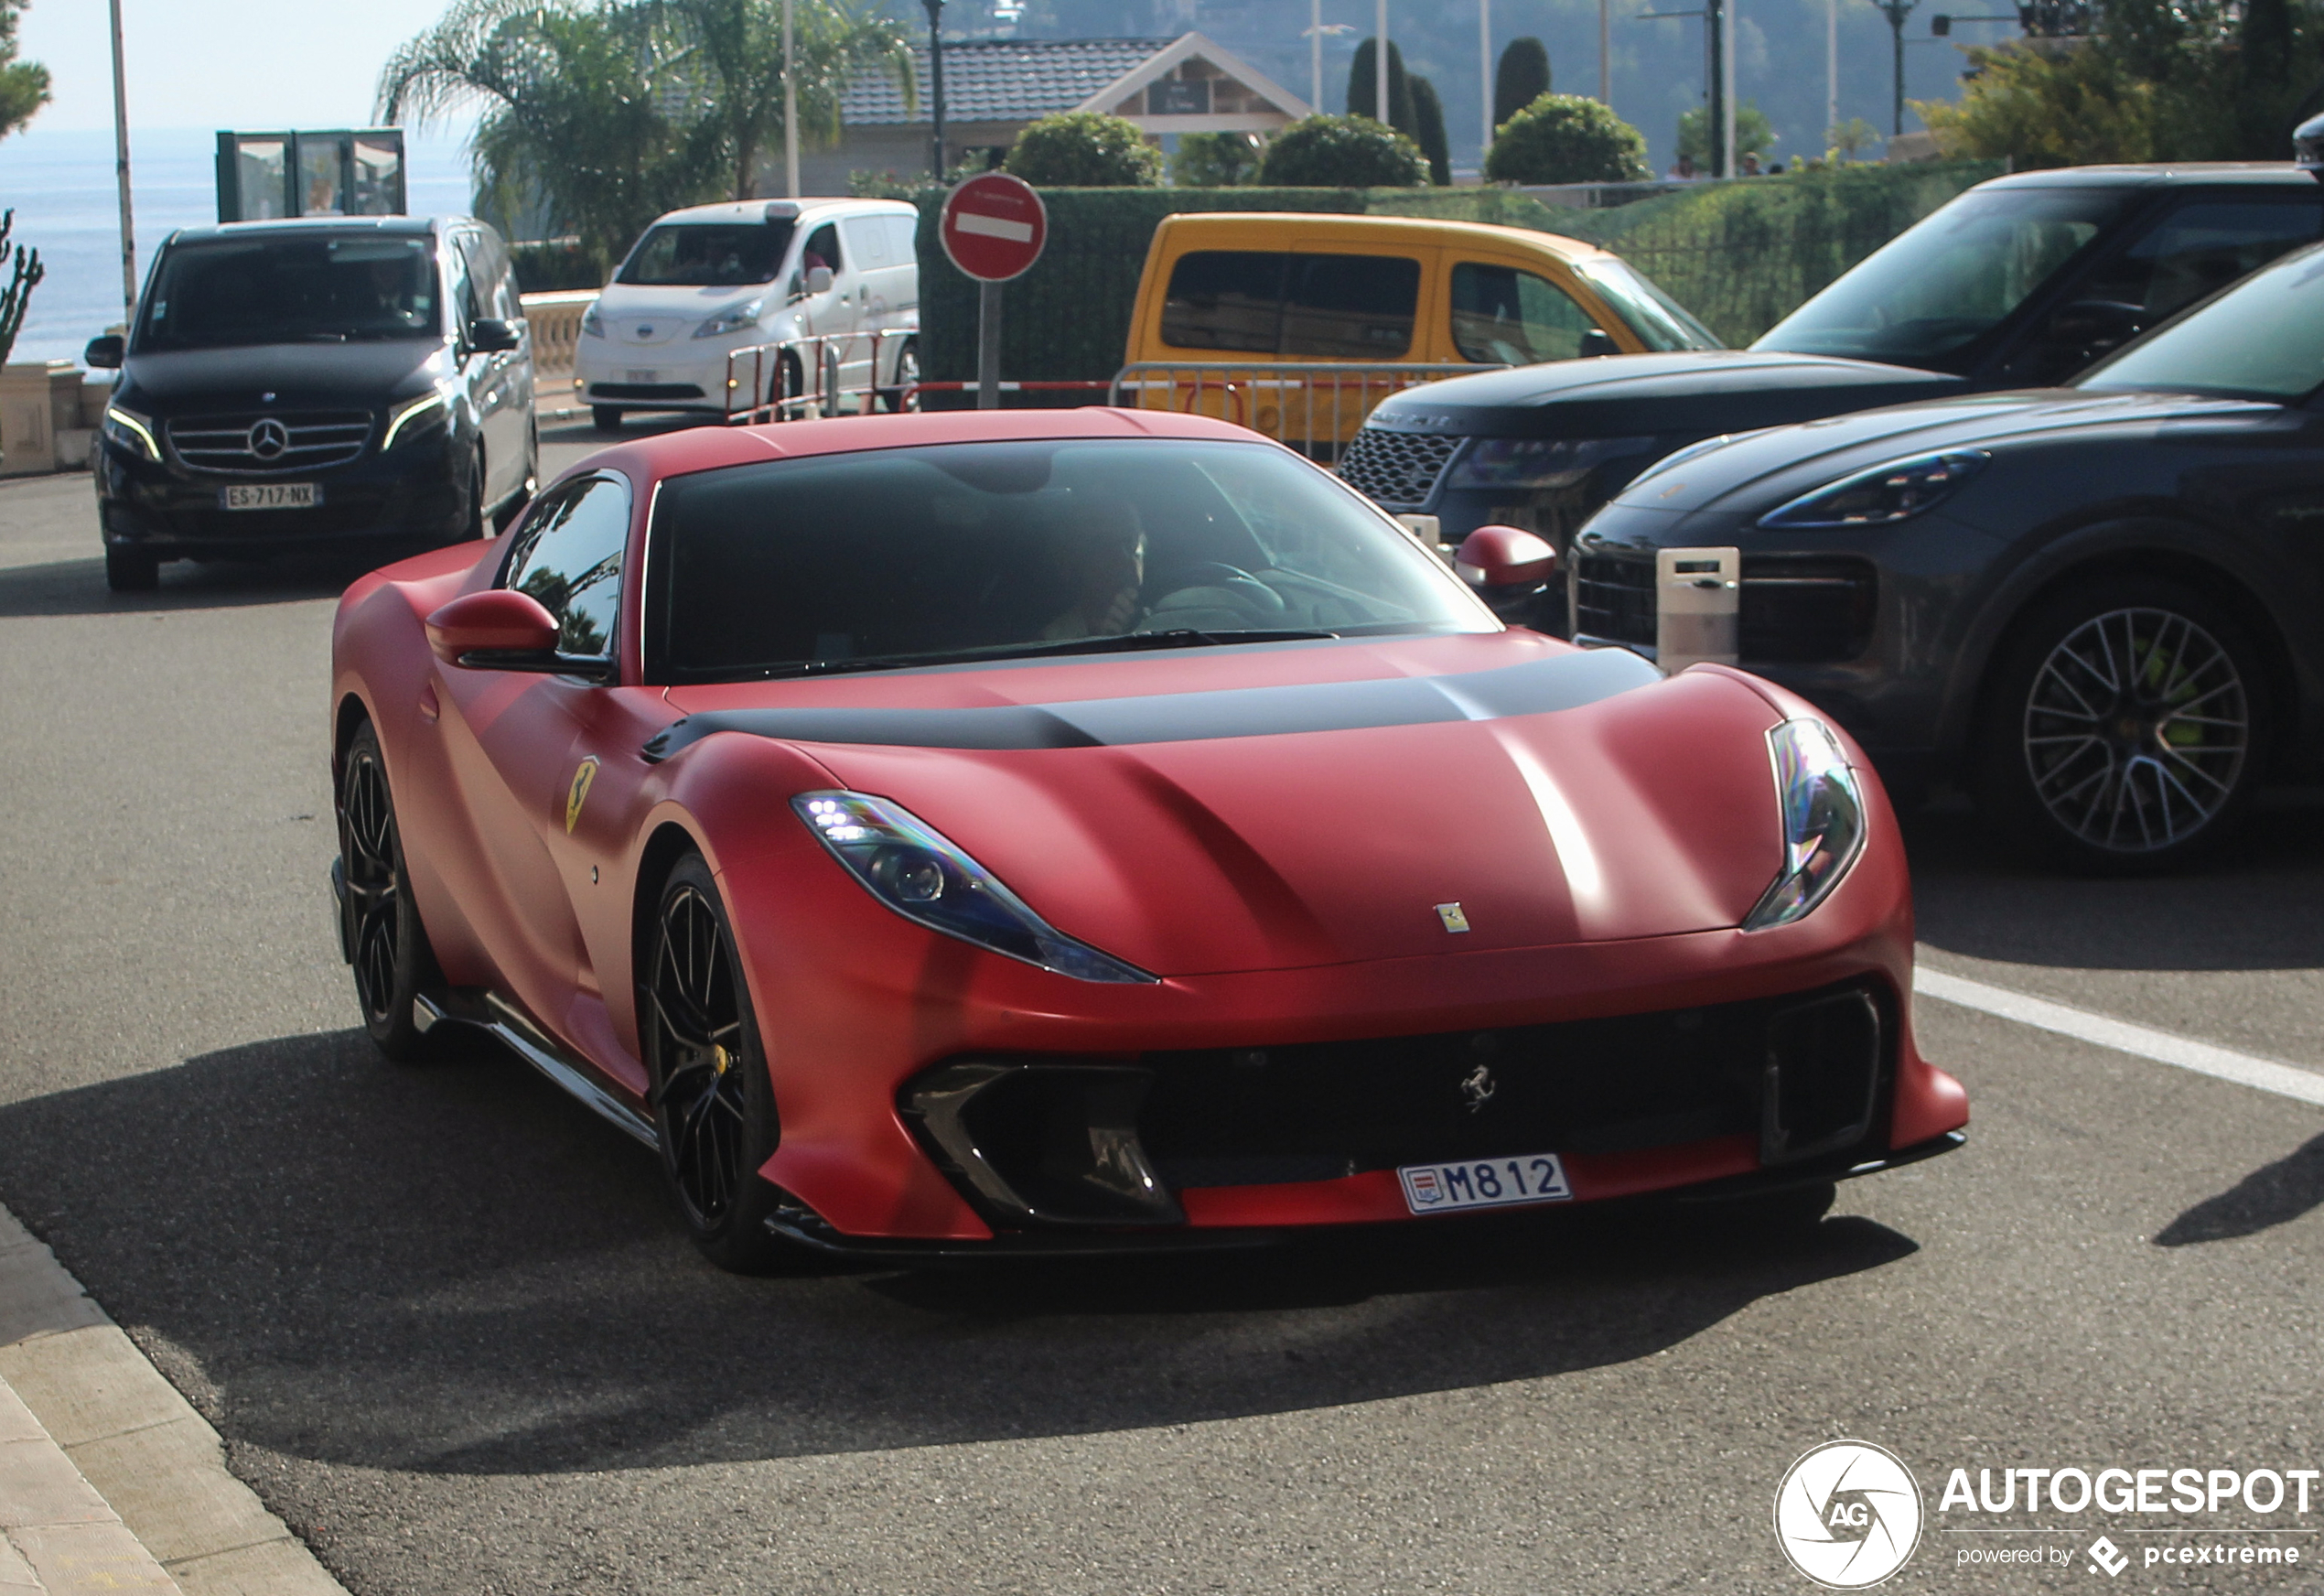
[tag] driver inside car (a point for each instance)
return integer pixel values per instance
(1102, 562)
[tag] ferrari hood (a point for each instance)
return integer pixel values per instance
(1324, 818)
(1696, 392)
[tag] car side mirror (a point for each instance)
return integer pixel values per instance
(1504, 557)
(491, 336)
(1596, 342)
(497, 630)
(818, 280)
(104, 355)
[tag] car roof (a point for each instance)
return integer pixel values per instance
(2260, 174)
(710, 448)
(394, 226)
(1417, 232)
(769, 209)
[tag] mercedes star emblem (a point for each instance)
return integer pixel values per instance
(268, 438)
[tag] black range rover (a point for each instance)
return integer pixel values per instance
(296, 382)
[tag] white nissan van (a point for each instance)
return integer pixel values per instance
(712, 279)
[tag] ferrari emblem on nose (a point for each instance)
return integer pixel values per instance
(1456, 919)
(1476, 1088)
(579, 794)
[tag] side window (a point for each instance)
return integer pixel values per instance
(823, 250)
(2183, 256)
(903, 242)
(1350, 306)
(569, 557)
(1225, 299)
(464, 276)
(868, 239)
(1500, 314)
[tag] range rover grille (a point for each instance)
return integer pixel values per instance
(1396, 469)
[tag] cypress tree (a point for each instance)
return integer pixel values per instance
(1429, 115)
(1522, 78)
(1361, 98)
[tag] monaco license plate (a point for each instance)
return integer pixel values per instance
(1485, 1183)
(271, 496)
(637, 375)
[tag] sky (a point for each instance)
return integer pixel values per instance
(219, 63)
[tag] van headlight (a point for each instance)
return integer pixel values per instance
(591, 324)
(912, 869)
(1883, 494)
(132, 431)
(733, 319)
(1821, 803)
(415, 417)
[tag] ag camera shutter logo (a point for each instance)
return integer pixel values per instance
(1847, 1514)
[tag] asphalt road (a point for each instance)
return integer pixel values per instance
(456, 1339)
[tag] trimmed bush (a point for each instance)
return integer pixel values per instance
(1084, 150)
(1343, 152)
(1215, 161)
(1429, 131)
(1564, 138)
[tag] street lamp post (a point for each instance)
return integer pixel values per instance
(121, 175)
(1379, 66)
(1896, 11)
(790, 111)
(936, 85)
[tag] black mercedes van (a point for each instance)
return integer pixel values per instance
(314, 381)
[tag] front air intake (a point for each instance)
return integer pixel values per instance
(1823, 1074)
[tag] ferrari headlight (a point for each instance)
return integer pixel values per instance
(908, 866)
(591, 324)
(415, 417)
(1823, 807)
(733, 319)
(131, 431)
(1883, 494)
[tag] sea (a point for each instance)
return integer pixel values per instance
(60, 185)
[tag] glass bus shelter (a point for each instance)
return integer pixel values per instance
(341, 172)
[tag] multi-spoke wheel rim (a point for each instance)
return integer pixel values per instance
(698, 1035)
(2136, 731)
(367, 826)
(908, 380)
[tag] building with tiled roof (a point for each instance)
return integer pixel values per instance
(993, 88)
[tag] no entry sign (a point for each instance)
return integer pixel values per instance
(993, 227)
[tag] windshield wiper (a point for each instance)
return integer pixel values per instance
(1126, 642)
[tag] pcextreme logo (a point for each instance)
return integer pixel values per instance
(1847, 1514)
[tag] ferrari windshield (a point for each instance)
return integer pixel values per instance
(289, 287)
(914, 555)
(1949, 279)
(2262, 337)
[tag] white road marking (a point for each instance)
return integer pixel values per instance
(993, 226)
(2144, 1042)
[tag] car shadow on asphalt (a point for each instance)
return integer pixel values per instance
(456, 1269)
(2251, 907)
(78, 586)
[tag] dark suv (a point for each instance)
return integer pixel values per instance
(2019, 283)
(296, 382)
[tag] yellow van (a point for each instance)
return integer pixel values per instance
(1296, 323)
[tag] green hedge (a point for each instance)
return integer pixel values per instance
(1741, 255)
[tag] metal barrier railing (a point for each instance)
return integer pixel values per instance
(797, 379)
(1314, 407)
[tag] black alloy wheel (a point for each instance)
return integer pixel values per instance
(472, 522)
(2126, 730)
(381, 931)
(129, 569)
(713, 1107)
(505, 516)
(904, 396)
(605, 418)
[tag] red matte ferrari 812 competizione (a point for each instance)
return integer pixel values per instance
(1100, 829)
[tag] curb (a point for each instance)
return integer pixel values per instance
(108, 1480)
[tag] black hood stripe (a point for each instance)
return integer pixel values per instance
(1565, 681)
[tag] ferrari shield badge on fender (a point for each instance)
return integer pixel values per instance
(579, 794)
(1456, 918)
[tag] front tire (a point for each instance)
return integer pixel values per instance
(131, 570)
(714, 1101)
(393, 964)
(904, 396)
(2124, 732)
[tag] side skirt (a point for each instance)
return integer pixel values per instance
(505, 1023)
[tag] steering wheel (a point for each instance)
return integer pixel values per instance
(1247, 590)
